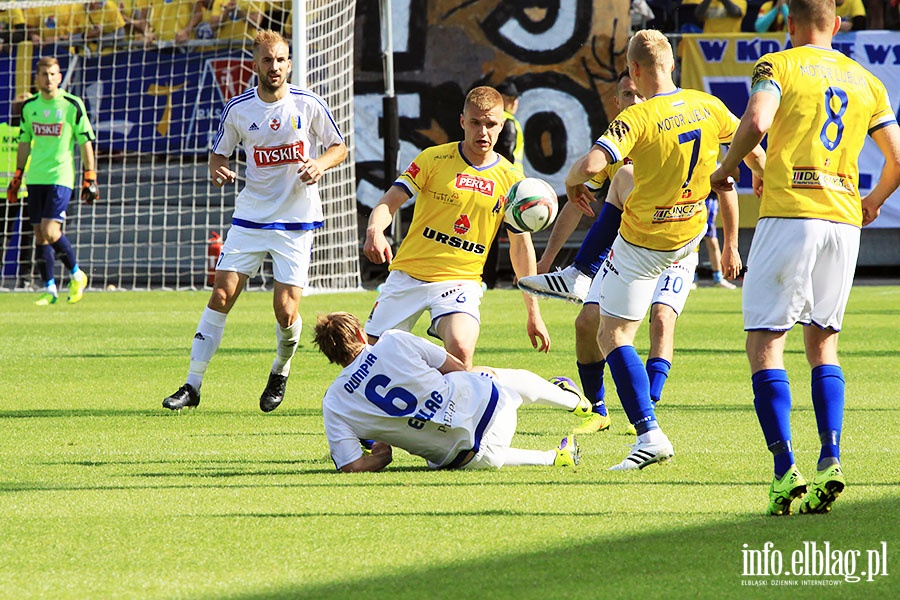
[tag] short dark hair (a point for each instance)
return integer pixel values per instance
(508, 88)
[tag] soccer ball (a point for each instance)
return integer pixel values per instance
(532, 205)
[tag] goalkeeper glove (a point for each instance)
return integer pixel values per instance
(12, 190)
(89, 189)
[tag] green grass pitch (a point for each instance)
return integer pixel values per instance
(104, 494)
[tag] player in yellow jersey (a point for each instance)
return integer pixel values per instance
(801, 263)
(673, 138)
(460, 190)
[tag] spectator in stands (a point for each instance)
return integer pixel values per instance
(12, 27)
(51, 24)
(173, 21)
(235, 19)
(772, 16)
(103, 20)
(852, 14)
(721, 16)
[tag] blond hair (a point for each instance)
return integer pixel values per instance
(267, 37)
(335, 335)
(47, 62)
(651, 49)
(818, 14)
(483, 97)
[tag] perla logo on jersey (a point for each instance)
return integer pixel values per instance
(452, 241)
(278, 155)
(679, 212)
(464, 181)
(47, 129)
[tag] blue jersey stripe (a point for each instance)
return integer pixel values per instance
(301, 92)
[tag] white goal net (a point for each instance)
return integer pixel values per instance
(154, 76)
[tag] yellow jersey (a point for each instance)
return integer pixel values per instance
(827, 104)
(458, 211)
(673, 140)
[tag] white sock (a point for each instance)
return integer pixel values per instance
(516, 457)
(534, 389)
(288, 338)
(206, 342)
(654, 436)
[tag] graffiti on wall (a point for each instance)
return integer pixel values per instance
(563, 56)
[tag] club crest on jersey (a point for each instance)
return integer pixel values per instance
(274, 124)
(462, 225)
(412, 170)
(295, 122)
(47, 129)
(501, 202)
(464, 181)
(253, 127)
(679, 212)
(618, 129)
(278, 155)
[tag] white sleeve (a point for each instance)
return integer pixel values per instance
(343, 444)
(324, 126)
(227, 137)
(432, 354)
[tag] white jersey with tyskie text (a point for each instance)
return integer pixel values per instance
(275, 136)
(393, 392)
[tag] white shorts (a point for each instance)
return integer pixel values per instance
(799, 271)
(630, 276)
(403, 299)
(245, 249)
(672, 287)
(500, 431)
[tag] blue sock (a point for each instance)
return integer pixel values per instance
(828, 403)
(46, 260)
(591, 376)
(772, 399)
(599, 238)
(658, 372)
(633, 387)
(717, 276)
(65, 252)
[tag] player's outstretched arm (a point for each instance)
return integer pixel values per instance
(219, 172)
(376, 248)
(731, 258)
(382, 455)
(584, 168)
(754, 125)
(521, 256)
(888, 141)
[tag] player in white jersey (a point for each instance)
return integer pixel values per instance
(407, 392)
(281, 128)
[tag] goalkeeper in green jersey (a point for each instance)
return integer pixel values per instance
(52, 120)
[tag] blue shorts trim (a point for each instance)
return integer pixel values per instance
(276, 226)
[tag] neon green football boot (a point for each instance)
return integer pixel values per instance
(584, 407)
(568, 454)
(784, 491)
(77, 285)
(593, 423)
(825, 489)
(46, 299)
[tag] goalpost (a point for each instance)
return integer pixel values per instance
(154, 101)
